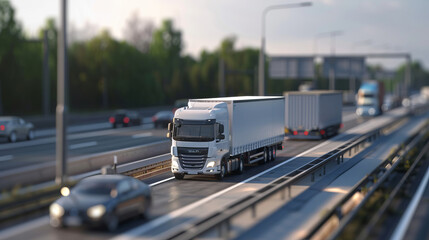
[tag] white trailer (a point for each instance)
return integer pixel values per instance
(216, 136)
(313, 114)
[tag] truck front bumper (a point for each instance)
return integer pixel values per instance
(206, 170)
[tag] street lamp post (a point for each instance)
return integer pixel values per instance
(332, 35)
(62, 102)
(261, 87)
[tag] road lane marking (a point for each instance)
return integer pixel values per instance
(82, 145)
(142, 135)
(162, 181)
(6, 158)
(138, 231)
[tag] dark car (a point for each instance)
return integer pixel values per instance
(125, 118)
(15, 128)
(101, 200)
(161, 119)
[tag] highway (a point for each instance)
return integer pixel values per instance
(176, 203)
(36, 154)
(172, 198)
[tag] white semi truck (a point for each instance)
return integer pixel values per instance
(217, 136)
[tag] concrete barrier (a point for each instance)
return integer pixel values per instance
(46, 172)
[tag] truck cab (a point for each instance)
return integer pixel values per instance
(198, 139)
(370, 99)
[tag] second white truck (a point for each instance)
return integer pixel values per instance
(313, 114)
(217, 136)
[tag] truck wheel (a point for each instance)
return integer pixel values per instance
(179, 176)
(270, 154)
(273, 153)
(240, 165)
(221, 175)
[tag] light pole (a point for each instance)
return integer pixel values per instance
(332, 35)
(261, 72)
(62, 100)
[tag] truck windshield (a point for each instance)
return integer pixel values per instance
(194, 132)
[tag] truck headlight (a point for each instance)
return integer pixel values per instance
(174, 164)
(96, 211)
(371, 111)
(174, 151)
(359, 111)
(56, 210)
(211, 164)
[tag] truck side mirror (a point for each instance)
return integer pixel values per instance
(221, 136)
(221, 129)
(170, 127)
(168, 134)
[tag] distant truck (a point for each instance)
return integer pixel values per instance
(217, 136)
(424, 92)
(312, 114)
(370, 98)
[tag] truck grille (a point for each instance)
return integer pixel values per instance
(192, 158)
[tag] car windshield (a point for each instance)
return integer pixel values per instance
(94, 188)
(194, 132)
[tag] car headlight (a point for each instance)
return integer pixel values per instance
(96, 211)
(211, 164)
(371, 111)
(56, 210)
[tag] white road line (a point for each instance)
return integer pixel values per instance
(6, 158)
(136, 232)
(142, 135)
(82, 145)
(15, 230)
(162, 181)
(402, 227)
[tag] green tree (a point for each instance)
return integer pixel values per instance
(165, 49)
(10, 36)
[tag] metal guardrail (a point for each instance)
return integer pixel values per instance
(221, 220)
(336, 211)
(399, 156)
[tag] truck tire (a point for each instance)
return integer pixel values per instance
(221, 175)
(273, 153)
(179, 176)
(240, 168)
(266, 156)
(270, 154)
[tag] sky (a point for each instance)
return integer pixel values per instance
(366, 25)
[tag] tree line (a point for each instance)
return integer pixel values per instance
(148, 68)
